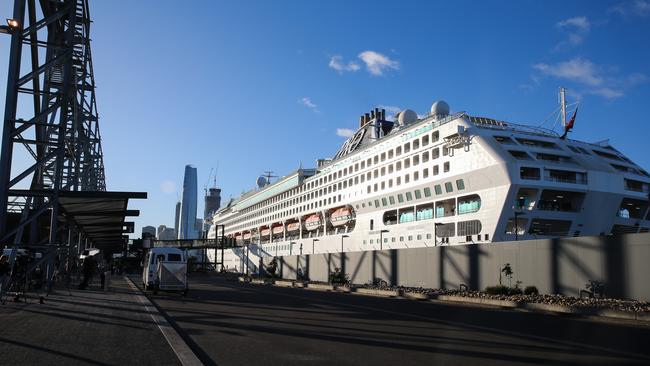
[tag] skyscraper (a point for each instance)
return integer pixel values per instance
(177, 217)
(187, 222)
(212, 204)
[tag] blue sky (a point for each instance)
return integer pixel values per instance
(259, 85)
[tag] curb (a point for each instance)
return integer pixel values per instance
(182, 350)
(533, 307)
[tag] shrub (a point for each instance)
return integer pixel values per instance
(497, 290)
(338, 278)
(502, 290)
(531, 290)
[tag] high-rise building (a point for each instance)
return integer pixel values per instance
(166, 233)
(187, 220)
(148, 231)
(212, 204)
(177, 217)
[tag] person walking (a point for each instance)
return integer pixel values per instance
(88, 268)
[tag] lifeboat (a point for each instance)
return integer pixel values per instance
(313, 222)
(278, 229)
(265, 231)
(247, 235)
(294, 226)
(341, 216)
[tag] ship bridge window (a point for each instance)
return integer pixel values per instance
(425, 156)
(435, 136)
(538, 143)
(554, 200)
(625, 169)
(529, 173)
(469, 204)
(390, 217)
(363, 165)
(435, 153)
(406, 214)
(398, 151)
(390, 168)
(549, 227)
(565, 176)
(416, 144)
(505, 140)
(424, 212)
(554, 158)
(632, 208)
(608, 155)
(383, 156)
(520, 155)
(446, 208)
(390, 153)
(416, 160)
(407, 147)
(636, 186)
(407, 163)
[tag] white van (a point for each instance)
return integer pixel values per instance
(165, 269)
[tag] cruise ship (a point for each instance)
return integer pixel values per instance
(443, 179)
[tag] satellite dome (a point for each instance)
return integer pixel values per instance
(440, 108)
(406, 117)
(261, 181)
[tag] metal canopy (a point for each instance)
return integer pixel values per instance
(100, 216)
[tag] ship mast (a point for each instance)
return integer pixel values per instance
(563, 105)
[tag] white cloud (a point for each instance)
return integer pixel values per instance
(591, 78)
(336, 63)
(345, 132)
(633, 8)
(576, 29)
(376, 63)
(581, 23)
(577, 69)
(168, 186)
(306, 101)
(391, 110)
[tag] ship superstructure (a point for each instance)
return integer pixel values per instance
(441, 180)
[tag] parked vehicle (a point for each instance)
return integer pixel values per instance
(165, 269)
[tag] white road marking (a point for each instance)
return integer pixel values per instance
(176, 342)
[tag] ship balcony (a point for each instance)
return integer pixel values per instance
(632, 209)
(564, 201)
(565, 176)
(446, 208)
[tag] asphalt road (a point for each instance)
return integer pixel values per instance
(228, 323)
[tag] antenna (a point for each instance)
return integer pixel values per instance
(268, 175)
(563, 105)
(216, 172)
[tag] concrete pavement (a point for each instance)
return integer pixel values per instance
(83, 328)
(228, 323)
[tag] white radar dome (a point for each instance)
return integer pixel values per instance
(406, 117)
(440, 108)
(261, 181)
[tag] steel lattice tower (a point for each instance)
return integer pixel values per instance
(50, 118)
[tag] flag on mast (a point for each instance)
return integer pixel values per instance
(569, 125)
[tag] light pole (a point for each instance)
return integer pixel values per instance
(312, 245)
(381, 240)
(342, 237)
